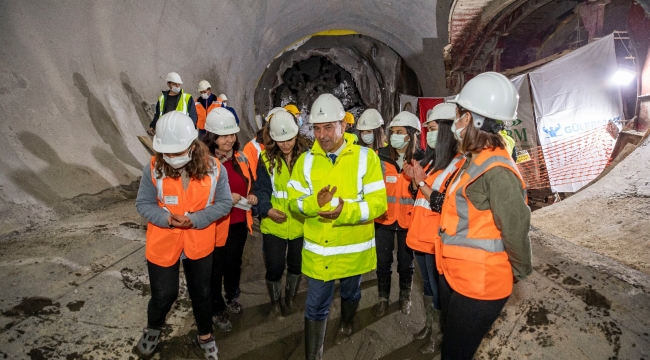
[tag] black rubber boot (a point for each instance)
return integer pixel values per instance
(348, 310)
(428, 326)
(434, 342)
(290, 290)
(405, 296)
(383, 290)
(275, 292)
(314, 338)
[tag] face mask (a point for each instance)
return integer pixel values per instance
(300, 121)
(178, 161)
(432, 138)
(176, 89)
(457, 131)
(397, 141)
(225, 104)
(368, 138)
(205, 96)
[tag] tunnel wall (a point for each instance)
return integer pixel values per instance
(74, 74)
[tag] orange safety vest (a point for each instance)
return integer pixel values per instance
(202, 113)
(471, 253)
(400, 201)
(223, 224)
(422, 234)
(253, 150)
(164, 245)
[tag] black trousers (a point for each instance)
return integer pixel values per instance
(226, 268)
(385, 244)
(466, 321)
(164, 291)
(280, 253)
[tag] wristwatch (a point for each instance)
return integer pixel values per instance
(421, 184)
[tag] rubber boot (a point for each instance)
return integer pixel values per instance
(428, 326)
(348, 310)
(434, 342)
(383, 290)
(275, 291)
(314, 338)
(290, 290)
(405, 297)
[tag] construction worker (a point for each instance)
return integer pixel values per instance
(349, 125)
(204, 104)
(223, 100)
(429, 181)
(222, 140)
(339, 209)
(484, 245)
(402, 149)
(282, 230)
(183, 191)
(173, 99)
(370, 130)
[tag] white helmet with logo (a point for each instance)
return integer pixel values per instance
(283, 126)
(221, 121)
(326, 108)
(406, 118)
(444, 111)
(204, 85)
(175, 132)
(173, 77)
(369, 120)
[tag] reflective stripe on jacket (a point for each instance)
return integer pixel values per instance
(472, 255)
(164, 245)
(335, 249)
(223, 224)
(253, 149)
(400, 201)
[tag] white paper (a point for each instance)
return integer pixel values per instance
(243, 204)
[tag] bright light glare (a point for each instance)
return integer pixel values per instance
(623, 76)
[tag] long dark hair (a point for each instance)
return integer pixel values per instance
(210, 139)
(446, 146)
(379, 138)
(196, 169)
(275, 155)
(476, 140)
(411, 147)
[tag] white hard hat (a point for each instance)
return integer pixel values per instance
(490, 95)
(221, 121)
(283, 126)
(369, 120)
(406, 118)
(204, 85)
(326, 108)
(272, 112)
(173, 77)
(223, 97)
(444, 111)
(175, 132)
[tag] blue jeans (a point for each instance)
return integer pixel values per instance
(430, 276)
(321, 293)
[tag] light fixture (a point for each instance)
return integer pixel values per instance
(624, 75)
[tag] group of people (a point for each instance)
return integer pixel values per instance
(334, 208)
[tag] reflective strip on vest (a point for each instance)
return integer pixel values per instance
(242, 158)
(391, 199)
(448, 170)
(184, 98)
(338, 250)
(423, 203)
(214, 178)
(406, 201)
(489, 245)
(375, 186)
(257, 146)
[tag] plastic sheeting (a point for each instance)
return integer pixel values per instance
(523, 129)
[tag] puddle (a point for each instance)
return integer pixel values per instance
(33, 305)
(537, 316)
(76, 306)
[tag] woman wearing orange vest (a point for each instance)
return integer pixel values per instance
(232, 230)
(429, 179)
(182, 193)
(204, 104)
(403, 148)
(370, 130)
(484, 246)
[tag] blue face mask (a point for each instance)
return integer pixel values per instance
(299, 120)
(398, 141)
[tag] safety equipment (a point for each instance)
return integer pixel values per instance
(293, 228)
(181, 106)
(283, 127)
(368, 138)
(175, 89)
(290, 290)
(432, 138)
(314, 338)
(420, 237)
(202, 113)
(405, 295)
(508, 140)
(345, 246)
(221, 121)
(405, 119)
(223, 224)
(272, 112)
(444, 111)
(472, 254)
(457, 131)
(326, 108)
(490, 95)
(369, 120)
(175, 133)
(293, 109)
(275, 293)
(398, 141)
(400, 201)
(348, 310)
(349, 118)
(178, 162)
(205, 96)
(252, 150)
(164, 245)
(223, 97)
(173, 78)
(204, 85)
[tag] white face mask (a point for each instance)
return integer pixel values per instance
(176, 89)
(225, 104)
(457, 131)
(205, 96)
(398, 141)
(178, 161)
(368, 138)
(432, 138)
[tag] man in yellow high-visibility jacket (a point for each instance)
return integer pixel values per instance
(338, 186)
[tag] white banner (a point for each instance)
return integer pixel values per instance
(574, 98)
(408, 103)
(523, 129)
